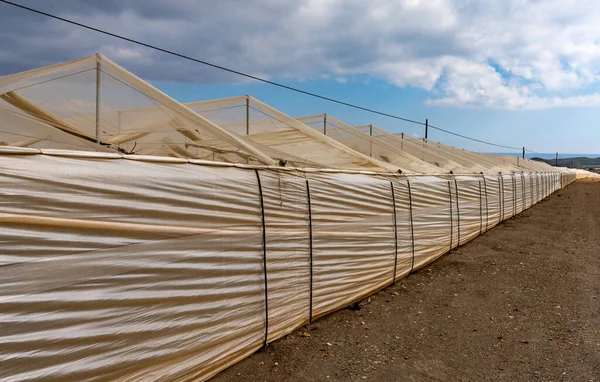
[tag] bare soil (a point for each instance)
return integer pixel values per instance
(520, 303)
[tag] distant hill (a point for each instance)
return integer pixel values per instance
(578, 162)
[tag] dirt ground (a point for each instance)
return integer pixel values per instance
(520, 303)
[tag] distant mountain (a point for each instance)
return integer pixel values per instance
(577, 162)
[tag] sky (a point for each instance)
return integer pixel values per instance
(513, 72)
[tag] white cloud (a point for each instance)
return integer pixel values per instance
(516, 54)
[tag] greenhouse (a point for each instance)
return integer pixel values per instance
(146, 239)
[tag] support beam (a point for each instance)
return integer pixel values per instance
(247, 116)
(98, 72)
(371, 140)
(45, 116)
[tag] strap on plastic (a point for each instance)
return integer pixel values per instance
(500, 198)
(264, 242)
(412, 228)
(480, 210)
(487, 210)
(457, 209)
(395, 232)
(310, 253)
(451, 217)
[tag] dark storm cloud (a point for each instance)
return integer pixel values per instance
(214, 31)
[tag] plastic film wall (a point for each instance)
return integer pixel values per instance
(128, 270)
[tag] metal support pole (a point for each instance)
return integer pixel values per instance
(98, 71)
(523, 152)
(325, 124)
(557, 159)
(371, 140)
(426, 128)
(310, 247)
(247, 116)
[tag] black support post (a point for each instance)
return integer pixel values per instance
(264, 242)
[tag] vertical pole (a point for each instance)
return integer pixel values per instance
(487, 209)
(247, 122)
(98, 102)
(426, 128)
(310, 243)
(371, 140)
(557, 159)
(395, 231)
(480, 210)
(523, 152)
(325, 124)
(412, 227)
(451, 228)
(264, 245)
(457, 209)
(514, 181)
(247, 116)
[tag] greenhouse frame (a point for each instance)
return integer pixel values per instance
(146, 239)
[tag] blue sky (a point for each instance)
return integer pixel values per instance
(514, 72)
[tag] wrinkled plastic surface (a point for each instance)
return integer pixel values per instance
(117, 269)
(142, 239)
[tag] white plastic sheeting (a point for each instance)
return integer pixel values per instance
(169, 267)
(136, 268)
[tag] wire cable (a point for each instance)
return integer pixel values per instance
(473, 139)
(297, 90)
